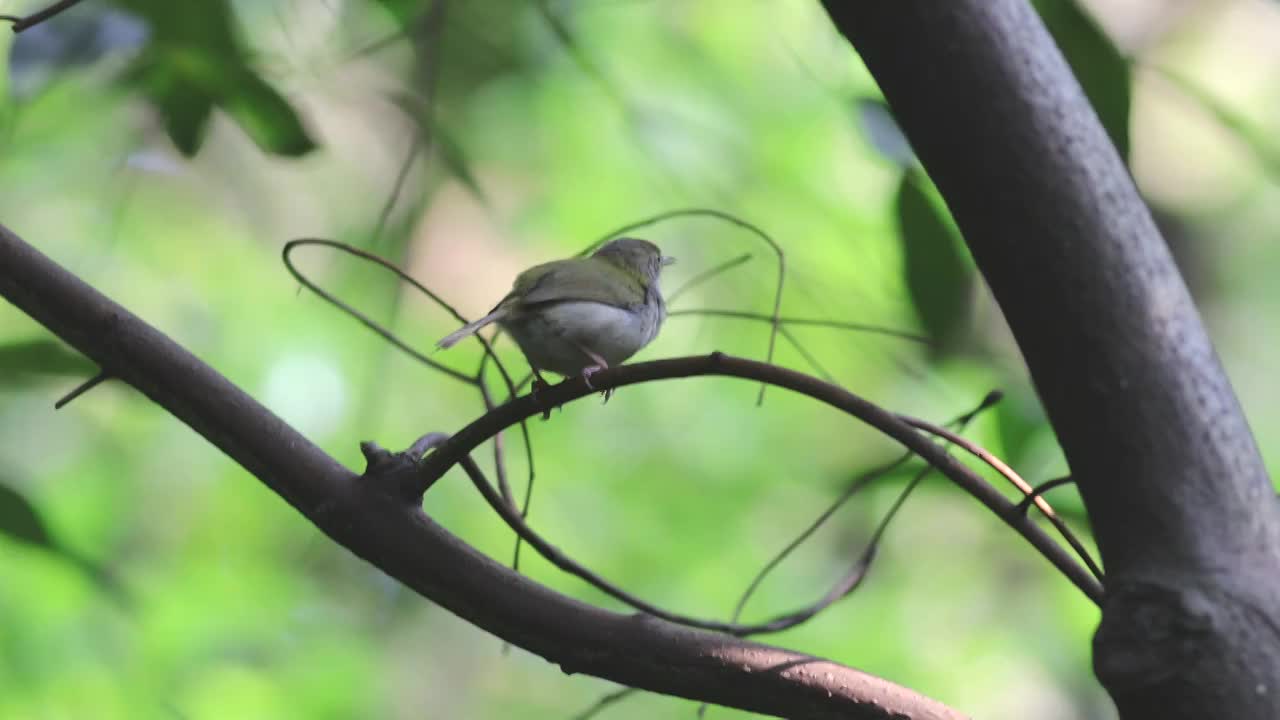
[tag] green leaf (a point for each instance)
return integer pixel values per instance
(183, 107)
(20, 520)
(937, 268)
(406, 11)
(1019, 420)
(20, 361)
(266, 116)
(194, 64)
(1103, 71)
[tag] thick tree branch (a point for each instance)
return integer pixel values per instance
(1180, 502)
(397, 537)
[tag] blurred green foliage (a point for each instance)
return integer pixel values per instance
(938, 271)
(166, 151)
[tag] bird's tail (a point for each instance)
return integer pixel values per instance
(470, 328)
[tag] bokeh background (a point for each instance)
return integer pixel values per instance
(166, 151)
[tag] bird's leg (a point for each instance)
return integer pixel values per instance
(588, 371)
(539, 383)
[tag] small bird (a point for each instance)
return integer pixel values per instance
(581, 315)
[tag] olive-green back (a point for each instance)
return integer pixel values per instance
(585, 279)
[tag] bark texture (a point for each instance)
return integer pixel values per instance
(1183, 510)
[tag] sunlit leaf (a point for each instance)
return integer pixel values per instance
(1103, 71)
(938, 271)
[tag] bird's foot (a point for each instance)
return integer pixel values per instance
(599, 364)
(539, 384)
(590, 370)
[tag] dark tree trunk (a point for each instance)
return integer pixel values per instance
(1184, 513)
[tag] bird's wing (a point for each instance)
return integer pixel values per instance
(582, 279)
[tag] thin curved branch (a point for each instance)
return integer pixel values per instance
(857, 485)
(853, 578)
(399, 539)
(553, 555)
(706, 276)
(718, 364)
(808, 322)
(477, 380)
(285, 255)
(1041, 489)
(1008, 473)
(604, 702)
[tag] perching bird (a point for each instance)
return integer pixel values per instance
(580, 315)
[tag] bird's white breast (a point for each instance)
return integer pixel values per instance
(553, 336)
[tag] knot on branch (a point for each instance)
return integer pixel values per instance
(396, 473)
(1152, 635)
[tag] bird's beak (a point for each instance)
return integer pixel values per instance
(668, 260)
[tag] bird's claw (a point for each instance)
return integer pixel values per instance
(590, 370)
(539, 384)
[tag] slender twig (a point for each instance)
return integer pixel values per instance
(82, 388)
(560, 31)
(852, 489)
(1014, 478)
(603, 703)
(790, 337)
(811, 322)
(809, 357)
(861, 481)
(499, 458)
(1039, 490)
(376, 326)
(706, 275)
(361, 317)
(852, 580)
(983, 454)
(499, 454)
(416, 146)
(35, 18)
(556, 557)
